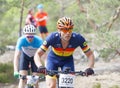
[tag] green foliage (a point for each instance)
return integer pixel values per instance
(6, 73)
(105, 54)
(115, 86)
(99, 11)
(97, 85)
(109, 43)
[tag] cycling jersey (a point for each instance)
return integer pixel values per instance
(59, 57)
(29, 48)
(54, 41)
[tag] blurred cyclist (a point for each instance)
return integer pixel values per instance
(41, 19)
(24, 53)
(63, 43)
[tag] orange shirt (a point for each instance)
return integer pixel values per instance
(39, 15)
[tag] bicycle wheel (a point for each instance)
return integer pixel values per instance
(29, 86)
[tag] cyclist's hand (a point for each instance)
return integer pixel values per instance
(89, 71)
(41, 69)
(16, 74)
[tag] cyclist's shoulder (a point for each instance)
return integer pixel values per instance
(37, 38)
(76, 35)
(54, 35)
(22, 38)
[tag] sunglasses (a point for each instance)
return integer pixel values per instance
(65, 31)
(30, 36)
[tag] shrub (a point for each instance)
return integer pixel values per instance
(6, 73)
(97, 85)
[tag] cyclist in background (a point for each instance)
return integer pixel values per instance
(25, 50)
(41, 19)
(30, 19)
(63, 43)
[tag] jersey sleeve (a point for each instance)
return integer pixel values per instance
(47, 42)
(83, 43)
(19, 44)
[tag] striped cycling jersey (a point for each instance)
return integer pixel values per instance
(54, 41)
(29, 48)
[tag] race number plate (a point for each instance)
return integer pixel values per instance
(66, 80)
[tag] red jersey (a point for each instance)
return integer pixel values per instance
(39, 15)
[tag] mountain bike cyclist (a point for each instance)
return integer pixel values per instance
(25, 50)
(63, 43)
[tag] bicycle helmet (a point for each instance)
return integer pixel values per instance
(40, 6)
(29, 29)
(65, 23)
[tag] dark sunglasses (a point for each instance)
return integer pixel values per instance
(30, 36)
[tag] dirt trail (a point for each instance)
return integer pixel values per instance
(107, 74)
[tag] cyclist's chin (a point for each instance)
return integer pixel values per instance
(30, 40)
(67, 38)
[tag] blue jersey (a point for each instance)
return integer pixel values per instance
(54, 41)
(29, 48)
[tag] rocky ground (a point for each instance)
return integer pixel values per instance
(107, 74)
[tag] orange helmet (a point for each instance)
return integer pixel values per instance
(65, 23)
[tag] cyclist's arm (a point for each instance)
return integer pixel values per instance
(37, 57)
(16, 60)
(86, 49)
(90, 56)
(43, 48)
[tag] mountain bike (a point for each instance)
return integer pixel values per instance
(32, 80)
(65, 79)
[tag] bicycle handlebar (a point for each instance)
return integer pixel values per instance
(54, 72)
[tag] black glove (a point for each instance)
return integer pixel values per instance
(41, 69)
(89, 71)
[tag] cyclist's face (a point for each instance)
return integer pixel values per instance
(66, 34)
(29, 37)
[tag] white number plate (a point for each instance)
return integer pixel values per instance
(66, 80)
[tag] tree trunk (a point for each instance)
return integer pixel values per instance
(21, 17)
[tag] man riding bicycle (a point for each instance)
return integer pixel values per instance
(25, 50)
(63, 43)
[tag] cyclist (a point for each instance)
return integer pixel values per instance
(41, 19)
(63, 43)
(25, 50)
(30, 19)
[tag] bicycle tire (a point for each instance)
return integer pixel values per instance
(29, 86)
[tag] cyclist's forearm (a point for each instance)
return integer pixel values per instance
(90, 56)
(16, 65)
(16, 60)
(37, 60)
(37, 57)
(91, 61)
